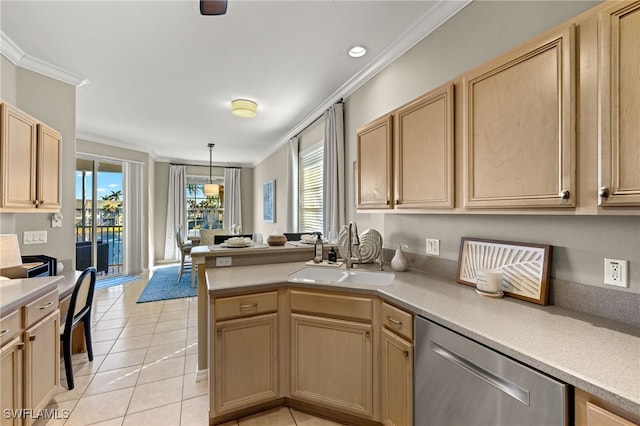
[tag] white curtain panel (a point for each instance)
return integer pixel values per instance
(232, 198)
(333, 170)
(292, 185)
(133, 210)
(176, 210)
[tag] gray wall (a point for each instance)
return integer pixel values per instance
(478, 33)
(161, 194)
(53, 103)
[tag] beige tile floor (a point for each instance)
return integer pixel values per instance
(144, 368)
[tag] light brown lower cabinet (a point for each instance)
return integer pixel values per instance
(42, 362)
(590, 410)
(331, 363)
(246, 367)
(11, 383)
(397, 366)
(347, 356)
(29, 359)
(244, 338)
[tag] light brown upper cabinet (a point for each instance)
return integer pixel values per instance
(375, 162)
(423, 144)
(518, 124)
(31, 154)
(619, 102)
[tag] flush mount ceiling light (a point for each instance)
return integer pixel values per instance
(357, 51)
(244, 108)
(211, 189)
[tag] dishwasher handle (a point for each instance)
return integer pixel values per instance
(499, 383)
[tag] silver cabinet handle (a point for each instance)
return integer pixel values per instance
(393, 320)
(565, 194)
(249, 305)
(405, 353)
(499, 383)
(604, 192)
(32, 338)
(48, 305)
(4, 332)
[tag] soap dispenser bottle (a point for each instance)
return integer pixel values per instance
(332, 256)
(399, 262)
(319, 250)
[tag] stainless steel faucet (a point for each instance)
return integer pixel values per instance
(353, 243)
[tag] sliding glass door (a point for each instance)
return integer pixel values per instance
(99, 216)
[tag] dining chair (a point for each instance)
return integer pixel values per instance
(207, 236)
(79, 313)
(185, 251)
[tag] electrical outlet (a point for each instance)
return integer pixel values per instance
(223, 261)
(615, 272)
(433, 247)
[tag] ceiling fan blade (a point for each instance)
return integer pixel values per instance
(213, 7)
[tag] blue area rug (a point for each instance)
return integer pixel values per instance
(110, 282)
(163, 285)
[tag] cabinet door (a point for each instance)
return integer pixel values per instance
(590, 410)
(49, 145)
(331, 363)
(18, 158)
(519, 137)
(620, 105)
(11, 383)
(424, 151)
(374, 175)
(42, 362)
(246, 362)
(397, 380)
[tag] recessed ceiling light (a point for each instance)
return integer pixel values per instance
(357, 51)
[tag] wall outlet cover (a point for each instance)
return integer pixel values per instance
(616, 272)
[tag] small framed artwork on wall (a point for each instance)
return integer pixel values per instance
(269, 201)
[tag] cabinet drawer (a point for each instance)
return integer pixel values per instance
(398, 321)
(246, 305)
(9, 326)
(332, 305)
(40, 308)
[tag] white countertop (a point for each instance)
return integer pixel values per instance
(14, 293)
(595, 354)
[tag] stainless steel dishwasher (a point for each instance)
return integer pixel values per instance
(459, 382)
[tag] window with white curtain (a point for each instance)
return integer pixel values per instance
(310, 188)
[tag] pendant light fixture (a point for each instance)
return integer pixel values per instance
(211, 189)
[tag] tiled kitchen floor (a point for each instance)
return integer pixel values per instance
(143, 371)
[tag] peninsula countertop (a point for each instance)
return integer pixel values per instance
(595, 354)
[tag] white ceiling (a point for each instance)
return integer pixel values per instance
(160, 77)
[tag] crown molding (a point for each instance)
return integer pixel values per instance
(10, 50)
(431, 20)
(88, 137)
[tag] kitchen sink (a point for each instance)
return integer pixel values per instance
(350, 276)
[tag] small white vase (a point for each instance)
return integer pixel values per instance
(399, 262)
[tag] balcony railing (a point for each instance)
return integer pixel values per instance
(111, 234)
